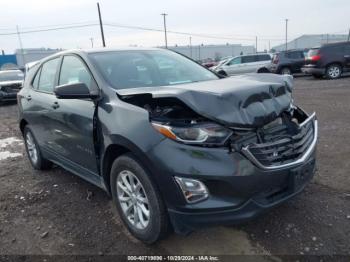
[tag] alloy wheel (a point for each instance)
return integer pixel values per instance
(32, 149)
(334, 71)
(133, 199)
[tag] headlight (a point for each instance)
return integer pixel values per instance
(208, 133)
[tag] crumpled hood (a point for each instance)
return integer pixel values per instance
(250, 100)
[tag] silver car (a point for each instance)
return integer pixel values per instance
(257, 63)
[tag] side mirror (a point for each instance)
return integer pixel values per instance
(74, 91)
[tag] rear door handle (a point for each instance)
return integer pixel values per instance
(29, 97)
(55, 105)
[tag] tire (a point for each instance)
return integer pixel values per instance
(223, 73)
(286, 71)
(333, 71)
(317, 76)
(33, 151)
(144, 200)
(263, 70)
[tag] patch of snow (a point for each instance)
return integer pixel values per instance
(8, 145)
(9, 141)
(7, 154)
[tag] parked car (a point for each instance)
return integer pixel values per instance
(221, 62)
(245, 64)
(329, 60)
(288, 62)
(10, 83)
(178, 148)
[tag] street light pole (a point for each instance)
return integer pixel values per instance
(20, 45)
(92, 42)
(256, 44)
(191, 46)
(101, 26)
(286, 34)
(165, 35)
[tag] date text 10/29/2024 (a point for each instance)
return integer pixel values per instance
(173, 258)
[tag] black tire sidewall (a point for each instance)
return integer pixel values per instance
(38, 165)
(154, 230)
(286, 68)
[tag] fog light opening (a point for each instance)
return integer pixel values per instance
(192, 189)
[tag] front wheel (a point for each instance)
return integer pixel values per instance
(286, 71)
(223, 73)
(333, 71)
(137, 199)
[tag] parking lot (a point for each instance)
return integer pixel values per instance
(54, 212)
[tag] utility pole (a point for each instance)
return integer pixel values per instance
(269, 45)
(256, 44)
(92, 42)
(101, 26)
(20, 45)
(349, 35)
(286, 34)
(191, 46)
(165, 35)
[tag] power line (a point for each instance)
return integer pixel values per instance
(50, 29)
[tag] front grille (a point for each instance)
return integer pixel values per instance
(13, 88)
(283, 148)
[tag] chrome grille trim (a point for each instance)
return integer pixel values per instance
(312, 118)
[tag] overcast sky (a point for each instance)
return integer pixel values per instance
(240, 20)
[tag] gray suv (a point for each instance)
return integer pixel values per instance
(174, 145)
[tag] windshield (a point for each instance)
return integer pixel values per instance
(11, 76)
(131, 69)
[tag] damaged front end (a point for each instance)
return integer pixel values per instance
(257, 118)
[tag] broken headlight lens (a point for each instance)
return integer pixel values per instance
(208, 133)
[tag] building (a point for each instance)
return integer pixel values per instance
(214, 52)
(308, 41)
(33, 54)
(7, 61)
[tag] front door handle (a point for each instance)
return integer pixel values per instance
(55, 105)
(29, 97)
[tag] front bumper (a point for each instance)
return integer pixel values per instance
(274, 190)
(239, 188)
(4, 96)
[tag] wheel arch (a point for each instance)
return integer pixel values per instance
(22, 125)
(120, 146)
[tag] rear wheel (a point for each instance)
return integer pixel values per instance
(286, 71)
(333, 71)
(137, 199)
(263, 70)
(33, 151)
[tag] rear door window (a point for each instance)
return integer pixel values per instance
(48, 75)
(295, 55)
(35, 82)
(249, 59)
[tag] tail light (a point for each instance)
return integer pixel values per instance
(315, 58)
(275, 59)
